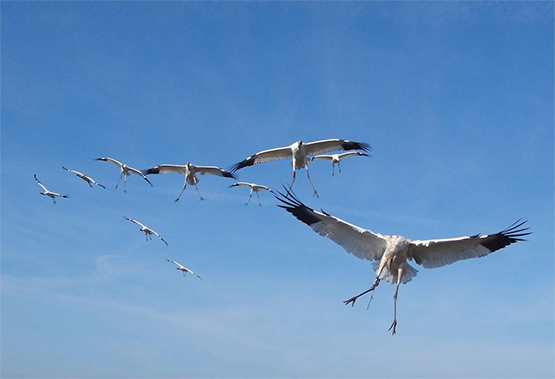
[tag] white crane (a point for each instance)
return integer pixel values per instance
(336, 158)
(148, 231)
(125, 171)
(50, 194)
(182, 268)
(86, 178)
(190, 171)
(298, 152)
(254, 188)
(391, 253)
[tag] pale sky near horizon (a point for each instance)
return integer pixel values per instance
(455, 98)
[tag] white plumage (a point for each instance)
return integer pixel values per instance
(50, 194)
(299, 152)
(125, 171)
(86, 178)
(254, 188)
(337, 158)
(392, 252)
(148, 231)
(190, 171)
(182, 268)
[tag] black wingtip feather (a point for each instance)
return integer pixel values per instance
(293, 205)
(351, 145)
(239, 165)
(507, 236)
(227, 174)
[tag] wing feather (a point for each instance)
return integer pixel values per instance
(108, 159)
(362, 243)
(263, 156)
(213, 170)
(324, 146)
(166, 169)
(442, 252)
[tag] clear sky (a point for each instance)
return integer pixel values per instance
(456, 99)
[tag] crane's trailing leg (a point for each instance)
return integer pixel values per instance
(333, 169)
(292, 181)
(258, 196)
(181, 193)
(394, 324)
(354, 298)
(201, 198)
(250, 195)
(124, 183)
(308, 176)
(117, 184)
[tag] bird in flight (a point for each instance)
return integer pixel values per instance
(190, 171)
(86, 178)
(148, 231)
(125, 171)
(391, 252)
(254, 188)
(299, 152)
(336, 158)
(50, 194)
(182, 268)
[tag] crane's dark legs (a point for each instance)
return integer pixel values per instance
(179, 197)
(332, 169)
(250, 195)
(117, 184)
(339, 165)
(292, 181)
(258, 196)
(308, 176)
(394, 324)
(354, 298)
(201, 198)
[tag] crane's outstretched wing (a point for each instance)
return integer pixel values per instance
(73, 171)
(441, 252)
(166, 169)
(140, 173)
(360, 242)
(108, 159)
(159, 236)
(175, 263)
(352, 154)
(213, 170)
(40, 184)
(263, 156)
(327, 157)
(324, 146)
(135, 222)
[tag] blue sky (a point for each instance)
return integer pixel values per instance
(456, 99)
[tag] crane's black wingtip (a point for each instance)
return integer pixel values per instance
(352, 145)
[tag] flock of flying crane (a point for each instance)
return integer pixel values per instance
(390, 253)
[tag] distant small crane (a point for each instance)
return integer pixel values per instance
(50, 194)
(190, 171)
(336, 158)
(86, 178)
(391, 253)
(125, 171)
(254, 188)
(299, 152)
(148, 231)
(183, 268)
